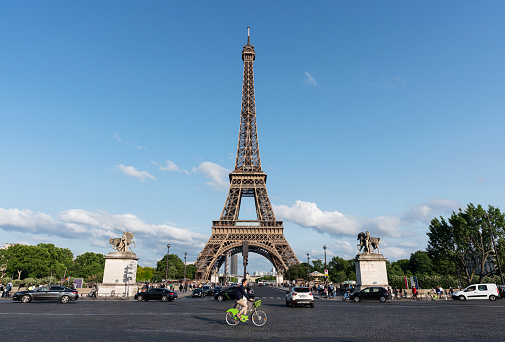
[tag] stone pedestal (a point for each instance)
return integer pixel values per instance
(119, 277)
(370, 270)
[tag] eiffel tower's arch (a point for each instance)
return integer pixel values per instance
(269, 243)
(266, 234)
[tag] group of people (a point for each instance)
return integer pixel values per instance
(5, 289)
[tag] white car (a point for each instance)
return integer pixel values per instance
(299, 295)
(478, 291)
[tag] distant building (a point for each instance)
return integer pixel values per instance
(7, 245)
(234, 264)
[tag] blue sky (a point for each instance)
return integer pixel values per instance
(371, 116)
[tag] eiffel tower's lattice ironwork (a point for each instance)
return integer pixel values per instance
(265, 235)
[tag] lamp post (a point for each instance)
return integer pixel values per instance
(325, 276)
(308, 270)
(166, 269)
(185, 255)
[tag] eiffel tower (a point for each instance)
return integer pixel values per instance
(265, 234)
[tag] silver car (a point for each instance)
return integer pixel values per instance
(300, 296)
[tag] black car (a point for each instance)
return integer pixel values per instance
(207, 290)
(371, 293)
(52, 293)
(216, 289)
(197, 293)
(162, 294)
(229, 293)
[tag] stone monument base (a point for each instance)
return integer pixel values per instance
(371, 270)
(119, 276)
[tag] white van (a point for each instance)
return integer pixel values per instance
(478, 291)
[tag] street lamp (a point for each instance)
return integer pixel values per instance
(166, 269)
(185, 255)
(308, 270)
(325, 276)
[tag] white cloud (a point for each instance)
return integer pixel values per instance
(97, 226)
(427, 211)
(217, 175)
(131, 171)
(170, 166)
(309, 79)
(137, 147)
(308, 215)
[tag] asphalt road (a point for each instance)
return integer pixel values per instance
(190, 319)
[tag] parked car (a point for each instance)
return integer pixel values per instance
(299, 296)
(197, 292)
(478, 291)
(371, 293)
(229, 293)
(50, 293)
(216, 289)
(162, 294)
(207, 290)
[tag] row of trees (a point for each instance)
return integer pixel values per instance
(47, 260)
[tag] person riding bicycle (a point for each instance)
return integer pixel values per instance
(242, 298)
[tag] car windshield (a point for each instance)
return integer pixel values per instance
(302, 289)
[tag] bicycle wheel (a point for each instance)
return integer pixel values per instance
(259, 318)
(231, 319)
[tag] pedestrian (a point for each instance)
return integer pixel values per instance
(8, 289)
(414, 293)
(2, 289)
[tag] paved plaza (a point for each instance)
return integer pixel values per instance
(190, 319)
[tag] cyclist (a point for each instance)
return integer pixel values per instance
(242, 298)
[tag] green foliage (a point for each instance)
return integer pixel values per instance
(89, 266)
(341, 270)
(190, 271)
(175, 268)
(145, 274)
(465, 240)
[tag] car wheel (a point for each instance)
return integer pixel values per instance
(356, 299)
(311, 305)
(26, 299)
(492, 298)
(220, 298)
(140, 298)
(292, 304)
(462, 298)
(382, 299)
(287, 303)
(164, 299)
(65, 299)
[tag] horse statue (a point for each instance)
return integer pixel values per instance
(367, 244)
(123, 243)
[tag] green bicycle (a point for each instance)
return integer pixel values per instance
(258, 317)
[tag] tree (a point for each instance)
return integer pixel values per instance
(340, 270)
(175, 268)
(420, 263)
(465, 240)
(190, 271)
(145, 273)
(30, 261)
(89, 266)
